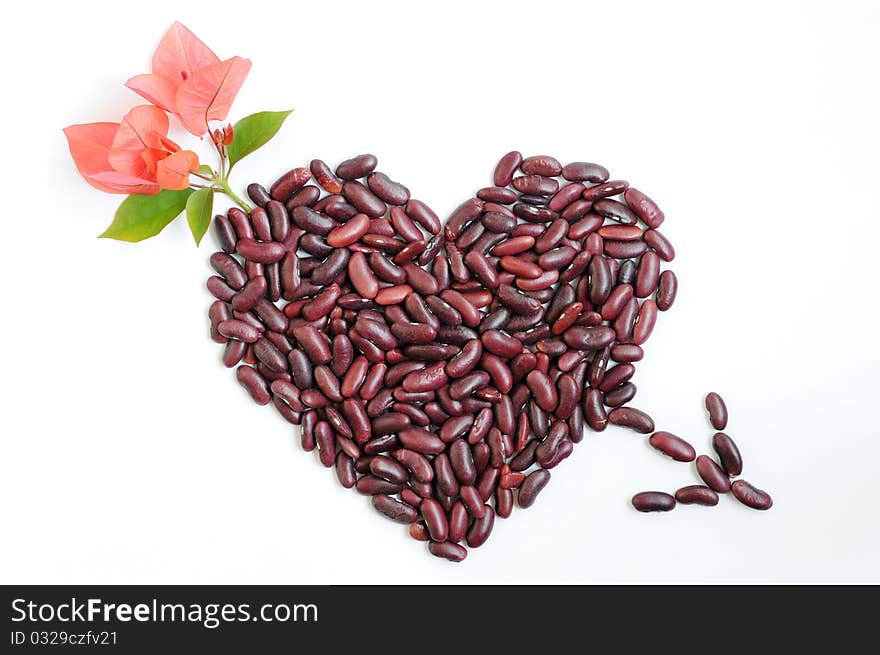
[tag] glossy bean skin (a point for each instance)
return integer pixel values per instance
(673, 446)
(357, 167)
(696, 494)
(712, 474)
(751, 496)
(506, 168)
(667, 289)
(585, 171)
(728, 454)
(645, 208)
(630, 417)
(653, 501)
(530, 488)
(394, 509)
(717, 409)
(447, 550)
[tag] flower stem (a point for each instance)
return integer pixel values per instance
(224, 186)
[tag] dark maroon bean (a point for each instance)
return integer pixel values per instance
(585, 171)
(292, 180)
(600, 280)
(567, 195)
(370, 485)
(536, 185)
(254, 383)
(541, 165)
(421, 441)
(241, 223)
(712, 474)
(673, 446)
(497, 194)
(525, 458)
(660, 244)
(605, 190)
(717, 410)
(534, 214)
(435, 519)
(447, 550)
(588, 338)
(648, 274)
(481, 529)
(644, 207)
(645, 321)
(394, 509)
(667, 289)
(388, 469)
(616, 376)
(424, 215)
(506, 167)
(278, 221)
(266, 252)
(751, 496)
(356, 167)
(462, 461)
(616, 211)
(325, 177)
(313, 343)
(305, 197)
(461, 217)
(543, 390)
(345, 471)
(219, 289)
(624, 249)
(386, 189)
(258, 193)
(224, 233)
(630, 417)
(269, 354)
(236, 329)
(229, 269)
(445, 476)
(311, 221)
(621, 395)
(696, 494)
(416, 463)
(245, 299)
(728, 453)
(218, 312)
(626, 352)
(531, 487)
(363, 199)
(594, 410)
(233, 352)
(653, 501)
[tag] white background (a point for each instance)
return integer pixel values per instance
(129, 454)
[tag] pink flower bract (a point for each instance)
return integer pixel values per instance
(190, 81)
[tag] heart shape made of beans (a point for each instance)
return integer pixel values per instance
(442, 369)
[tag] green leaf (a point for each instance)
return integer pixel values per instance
(253, 132)
(204, 169)
(198, 212)
(140, 216)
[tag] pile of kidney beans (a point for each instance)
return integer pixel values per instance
(443, 369)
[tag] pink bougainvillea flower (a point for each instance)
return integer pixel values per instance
(190, 81)
(133, 156)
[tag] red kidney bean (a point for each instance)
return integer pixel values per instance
(345, 472)
(497, 195)
(292, 180)
(531, 487)
(229, 269)
(594, 410)
(712, 474)
(667, 288)
(644, 323)
(423, 215)
(481, 529)
(615, 376)
(325, 177)
(257, 193)
(541, 165)
(717, 410)
(394, 509)
(673, 446)
(751, 496)
(728, 453)
(648, 274)
(356, 167)
(506, 168)
(644, 207)
(660, 244)
(653, 501)
(535, 184)
(447, 550)
(696, 494)
(236, 329)
(624, 249)
(585, 171)
(627, 352)
(386, 189)
(435, 519)
(254, 383)
(632, 418)
(621, 395)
